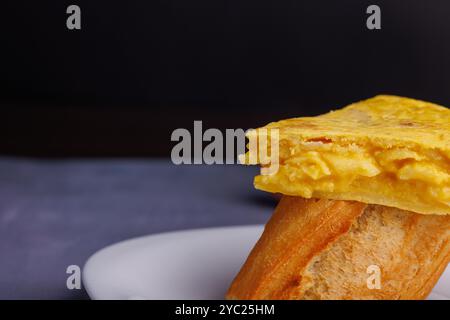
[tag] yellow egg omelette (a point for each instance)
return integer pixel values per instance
(386, 150)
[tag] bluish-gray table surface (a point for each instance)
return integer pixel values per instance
(56, 213)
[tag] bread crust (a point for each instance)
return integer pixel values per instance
(322, 249)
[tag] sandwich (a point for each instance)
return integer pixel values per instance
(365, 206)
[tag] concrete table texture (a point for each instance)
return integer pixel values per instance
(56, 213)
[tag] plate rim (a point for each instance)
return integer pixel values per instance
(85, 271)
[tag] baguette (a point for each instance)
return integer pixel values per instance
(323, 249)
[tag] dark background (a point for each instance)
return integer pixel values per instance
(139, 69)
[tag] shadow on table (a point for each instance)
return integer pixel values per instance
(261, 199)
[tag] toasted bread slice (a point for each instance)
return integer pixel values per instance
(327, 249)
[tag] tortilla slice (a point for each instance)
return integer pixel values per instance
(386, 150)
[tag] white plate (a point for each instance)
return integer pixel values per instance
(193, 264)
